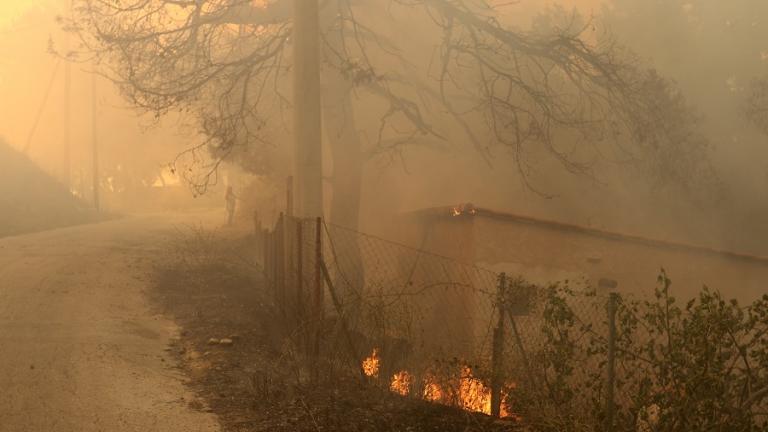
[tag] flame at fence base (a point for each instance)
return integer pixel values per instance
(371, 364)
(475, 396)
(401, 383)
(432, 390)
(472, 394)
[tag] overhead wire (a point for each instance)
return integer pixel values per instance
(41, 109)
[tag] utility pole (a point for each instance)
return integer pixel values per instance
(95, 140)
(308, 160)
(67, 174)
(67, 162)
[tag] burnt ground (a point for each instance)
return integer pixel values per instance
(213, 289)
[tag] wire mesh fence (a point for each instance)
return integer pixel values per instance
(431, 327)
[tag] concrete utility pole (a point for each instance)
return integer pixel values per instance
(95, 141)
(308, 156)
(67, 162)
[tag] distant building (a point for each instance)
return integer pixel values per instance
(546, 251)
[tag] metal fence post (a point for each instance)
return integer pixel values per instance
(280, 264)
(610, 406)
(256, 224)
(530, 376)
(268, 258)
(497, 360)
(317, 301)
(289, 196)
(355, 357)
(290, 270)
(299, 274)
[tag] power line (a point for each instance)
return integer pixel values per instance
(42, 106)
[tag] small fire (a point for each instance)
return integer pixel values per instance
(371, 364)
(476, 396)
(401, 383)
(432, 390)
(464, 209)
(473, 394)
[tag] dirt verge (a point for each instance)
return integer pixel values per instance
(243, 366)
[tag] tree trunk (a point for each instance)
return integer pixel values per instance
(308, 161)
(346, 152)
(341, 131)
(347, 177)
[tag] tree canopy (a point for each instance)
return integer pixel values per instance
(414, 72)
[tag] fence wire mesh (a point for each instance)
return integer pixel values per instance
(432, 327)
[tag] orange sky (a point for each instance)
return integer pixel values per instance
(11, 10)
(26, 71)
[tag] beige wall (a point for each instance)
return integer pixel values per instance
(539, 250)
(546, 253)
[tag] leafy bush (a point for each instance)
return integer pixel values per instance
(701, 366)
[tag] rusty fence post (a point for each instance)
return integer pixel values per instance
(289, 196)
(317, 301)
(265, 256)
(270, 251)
(354, 355)
(610, 405)
(276, 263)
(290, 270)
(280, 264)
(497, 359)
(530, 376)
(299, 274)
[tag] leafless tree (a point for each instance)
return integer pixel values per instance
(225, 62)
(756, 107)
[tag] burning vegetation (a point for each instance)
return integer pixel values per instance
(401, 383)
(465, 391)
(371, 364)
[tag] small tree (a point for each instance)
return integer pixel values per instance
(225, 62)
(699, 366)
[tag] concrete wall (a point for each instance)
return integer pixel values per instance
(548, 251)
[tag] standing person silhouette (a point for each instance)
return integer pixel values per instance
(231, 202)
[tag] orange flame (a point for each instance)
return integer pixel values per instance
(371, 364)
(432, 390)
(464, 209)
(401, 383)
(476, 396)
(473, 394)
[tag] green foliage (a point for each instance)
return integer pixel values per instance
(698, 366)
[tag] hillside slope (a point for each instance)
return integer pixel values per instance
(31, 200)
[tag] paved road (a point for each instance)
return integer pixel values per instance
(80, 348)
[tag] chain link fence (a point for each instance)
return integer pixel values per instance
(434, 328)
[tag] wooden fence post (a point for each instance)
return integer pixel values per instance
(256, 223)
(289, 196)
(497, 360)
(280, 264)
(265, 259)
(354, 355)
(521, 348)
(290, 270)
(317, 301)
(610, 406)
(299, 274)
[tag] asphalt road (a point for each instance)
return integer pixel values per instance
(80, 347)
